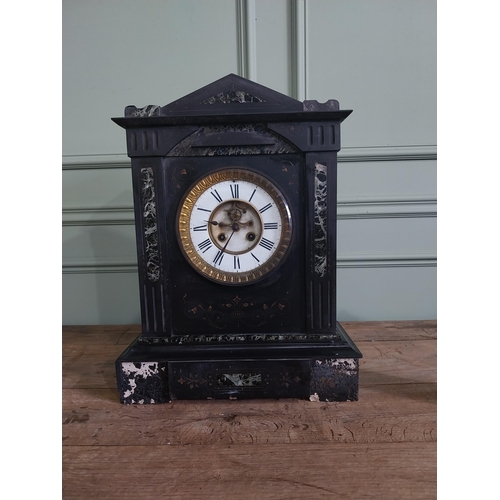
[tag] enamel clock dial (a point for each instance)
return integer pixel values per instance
(234, 226)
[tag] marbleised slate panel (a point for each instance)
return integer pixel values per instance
(334, 379)
(320, 219)
(150, 110)
(232, 96)
(240, 379)
(150, 225)
(143, 382)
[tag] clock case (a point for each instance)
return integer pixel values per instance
(275, 338)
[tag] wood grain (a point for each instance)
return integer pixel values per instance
(381, 447)
(391, 330)
(100, 334)
(391, 415)
(306, 471)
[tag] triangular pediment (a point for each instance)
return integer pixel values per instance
(231, 94)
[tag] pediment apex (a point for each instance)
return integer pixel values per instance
(231, 94)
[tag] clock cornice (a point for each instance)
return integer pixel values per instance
(264, 117)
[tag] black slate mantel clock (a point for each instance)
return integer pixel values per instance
(235, 198)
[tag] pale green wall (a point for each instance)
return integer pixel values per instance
(377, 57)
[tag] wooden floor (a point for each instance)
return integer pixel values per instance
(382, 447)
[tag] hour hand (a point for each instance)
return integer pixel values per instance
(215, 223)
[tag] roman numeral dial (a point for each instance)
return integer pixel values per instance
(234, 226)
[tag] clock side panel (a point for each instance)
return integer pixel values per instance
(147, 181)
(321, 242)
(199, 306)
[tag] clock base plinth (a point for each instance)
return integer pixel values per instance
(315, 367)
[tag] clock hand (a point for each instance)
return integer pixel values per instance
(227, 242)
(215, 223)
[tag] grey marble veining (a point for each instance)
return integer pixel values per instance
(150, 225)
(320, 219)
(232, 96)
(239, 379)
(247, 338)
(150, 110)
(335, 379)
(343, 363)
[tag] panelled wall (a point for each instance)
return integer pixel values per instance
(377, 57)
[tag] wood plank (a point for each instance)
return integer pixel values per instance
(306, 471)
(99, 334)
(391, 414)
(94, 329)
(390, 330)
(389, 362)
(130, 335)
(381, 325)
(89, 365)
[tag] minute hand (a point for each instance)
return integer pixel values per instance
(220, 253)
(227, 242)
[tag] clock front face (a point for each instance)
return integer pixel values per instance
(234, 226)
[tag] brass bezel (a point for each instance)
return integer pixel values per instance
(188, 248)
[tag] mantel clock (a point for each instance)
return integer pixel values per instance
(235, 199)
